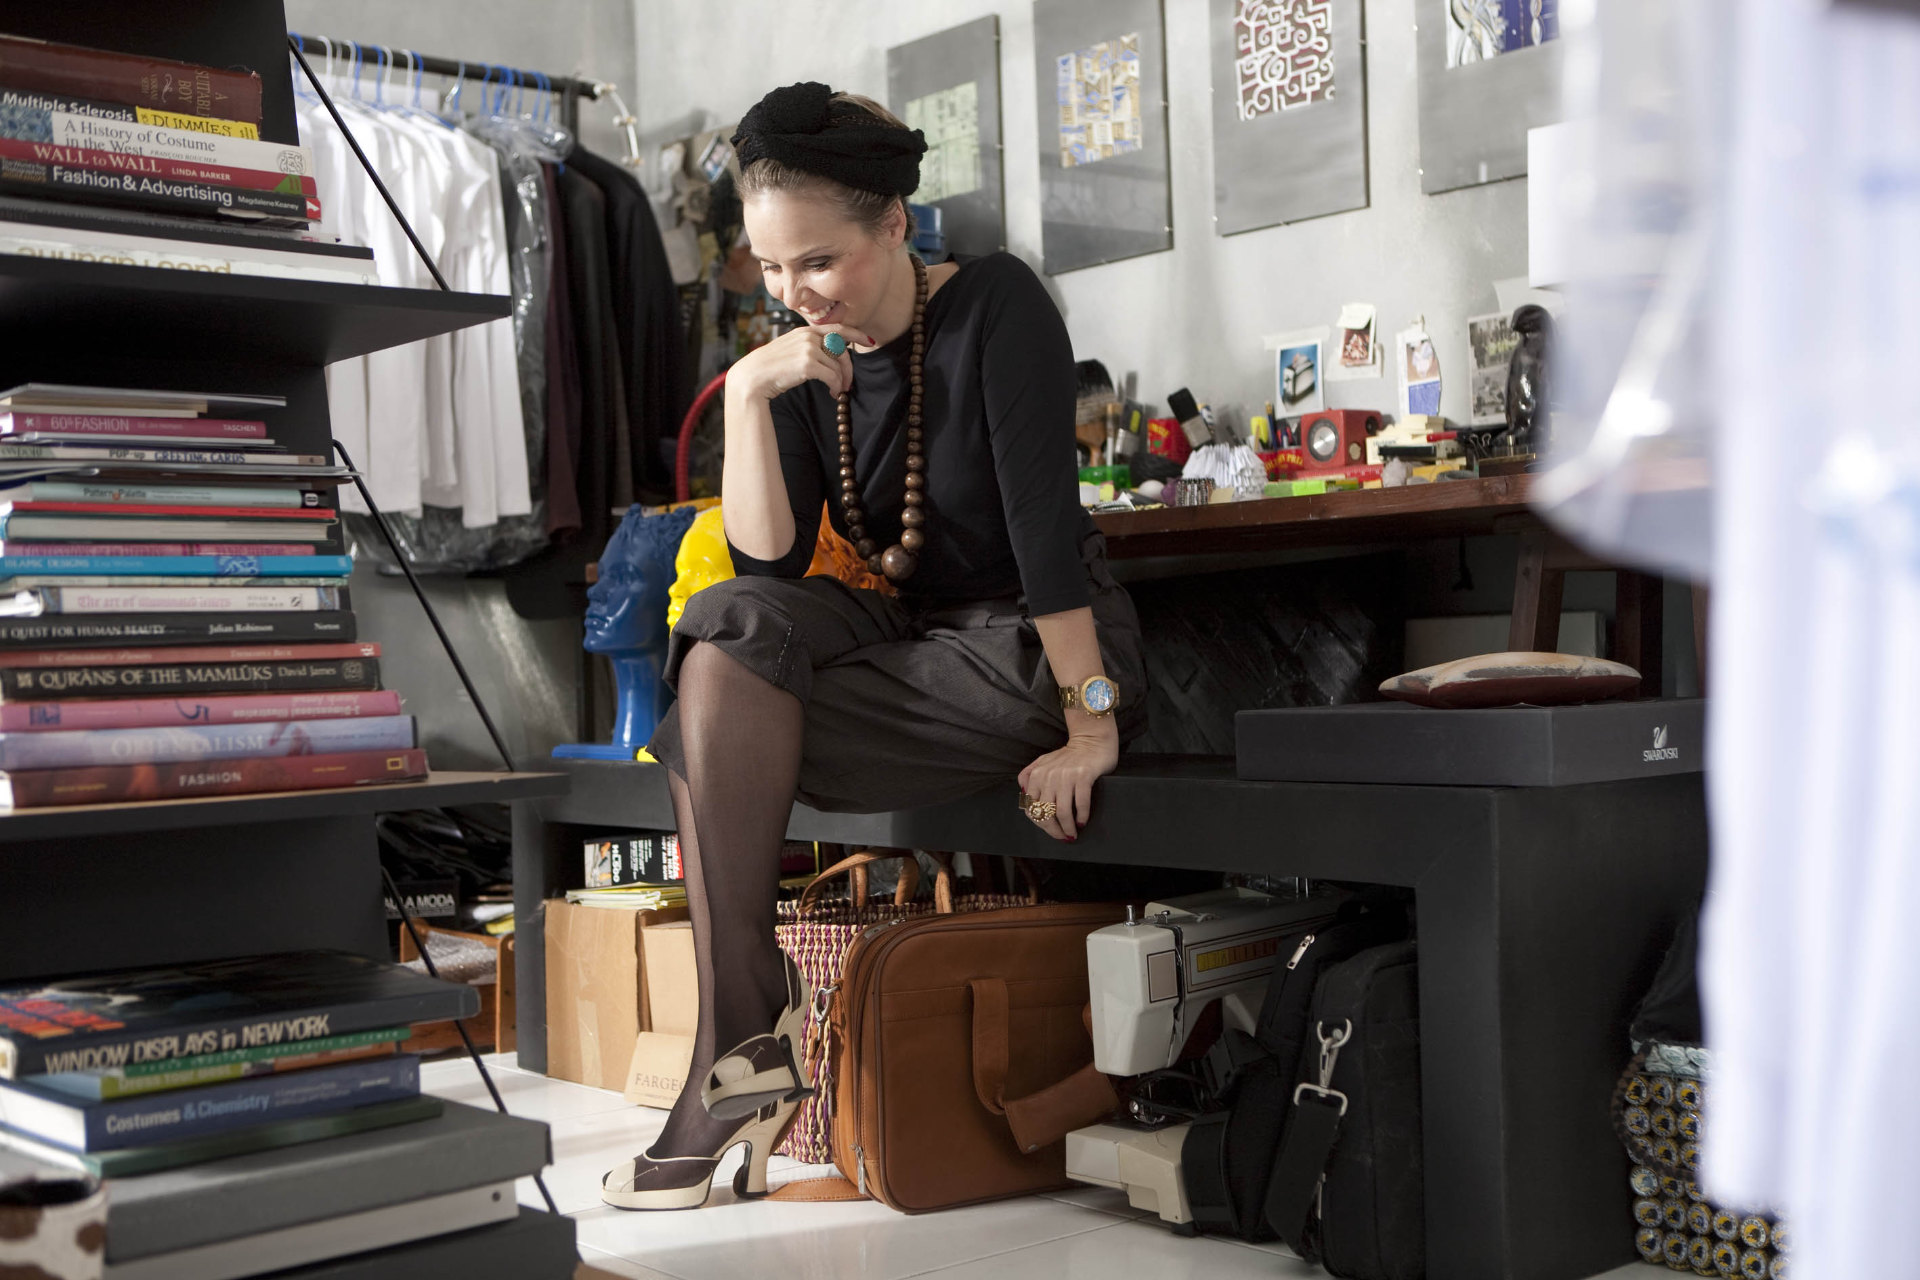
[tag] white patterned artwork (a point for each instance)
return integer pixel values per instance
(950, 119)
(1283, 54)
(1099, 95)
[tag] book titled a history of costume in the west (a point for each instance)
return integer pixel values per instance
(125, 1017)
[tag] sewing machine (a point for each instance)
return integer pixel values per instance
(1153, 977)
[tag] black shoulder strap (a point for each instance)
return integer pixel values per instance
(1302, 1163)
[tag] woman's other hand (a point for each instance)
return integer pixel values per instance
(793, 358)
(1066, 776)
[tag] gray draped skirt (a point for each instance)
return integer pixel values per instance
(905, 707)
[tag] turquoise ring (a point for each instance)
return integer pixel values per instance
(835, 343)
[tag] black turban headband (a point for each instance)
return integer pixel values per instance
(802, 128)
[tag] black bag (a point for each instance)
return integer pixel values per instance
(1227, 1159)
(1354, 1119)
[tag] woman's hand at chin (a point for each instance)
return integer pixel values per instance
(1066, 777)
(793, 358)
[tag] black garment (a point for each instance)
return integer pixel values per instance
(1003, 497)
(646, 317)
(563, 376)
(602, 487)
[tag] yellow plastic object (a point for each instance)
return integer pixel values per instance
(703, 560)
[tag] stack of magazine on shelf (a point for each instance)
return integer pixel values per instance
(174, 610)
(251, 1114)
(116, 158)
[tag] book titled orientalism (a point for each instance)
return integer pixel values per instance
(121, 1019)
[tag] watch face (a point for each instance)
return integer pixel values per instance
(1100, 694)
(1323, 440)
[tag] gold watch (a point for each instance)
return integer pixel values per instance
(1096, 695)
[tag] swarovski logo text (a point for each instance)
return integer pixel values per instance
(1661, 751)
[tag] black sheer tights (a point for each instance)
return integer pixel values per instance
(741, 739)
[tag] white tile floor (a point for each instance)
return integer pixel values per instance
(1083, 1233)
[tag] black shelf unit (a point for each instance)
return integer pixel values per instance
(101, 887)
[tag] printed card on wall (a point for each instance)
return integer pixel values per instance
(1289, 111)
(1099, 95)
(1358, 355)
(1419, 371)
(1299, 372)
(1490, 344)
(947, 85)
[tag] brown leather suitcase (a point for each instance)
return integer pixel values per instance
(964, 1056)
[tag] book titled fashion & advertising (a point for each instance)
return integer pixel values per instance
(146, 191)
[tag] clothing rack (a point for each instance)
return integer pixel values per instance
(569, 89)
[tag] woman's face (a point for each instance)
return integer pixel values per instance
(818, 264)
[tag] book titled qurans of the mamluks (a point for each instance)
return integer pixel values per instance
(127, 1017)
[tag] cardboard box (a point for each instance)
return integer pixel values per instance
(657, 1068)
(596, 988)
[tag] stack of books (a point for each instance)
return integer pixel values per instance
(174, 611)
(113, 157)
(251, 1114)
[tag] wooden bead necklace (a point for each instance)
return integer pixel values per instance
(898, 561)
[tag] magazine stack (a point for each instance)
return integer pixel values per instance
(175, 619)
(116, 158)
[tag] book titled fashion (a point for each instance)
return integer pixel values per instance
(191, 678)
(240, 708)
(116, 784)
(119, 1082)
(126, 1017)
(179, 566)
(82, 631)
(47, 66)
(84, 748)
(174, 495)
(88, 425)
(93, 132)
(80, 1124)
(35, 602)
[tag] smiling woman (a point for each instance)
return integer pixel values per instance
(930, 411)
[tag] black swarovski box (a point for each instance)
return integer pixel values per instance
(1498, 747)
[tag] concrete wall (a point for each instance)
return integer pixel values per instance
(1192, 316)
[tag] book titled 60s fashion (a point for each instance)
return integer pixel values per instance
(121, 1018)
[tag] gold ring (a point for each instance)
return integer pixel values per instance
(1041, 811)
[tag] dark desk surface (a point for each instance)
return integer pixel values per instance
(1443, 509)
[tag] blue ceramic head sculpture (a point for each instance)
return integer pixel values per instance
(627, 618)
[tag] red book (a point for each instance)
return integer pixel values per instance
(133, 510)
(92, 424)
(111, 784)
(48, 658)
(156, 713)
(11, 548)
(42, 66)
(157, 167)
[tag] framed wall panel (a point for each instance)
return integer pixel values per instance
(1289, 111)
(1489, 71)
(948, 86)
(1102, 102)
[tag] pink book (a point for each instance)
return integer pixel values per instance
(11, 548)
(152, 713)
(90, 424)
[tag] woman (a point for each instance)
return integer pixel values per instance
(941, 400)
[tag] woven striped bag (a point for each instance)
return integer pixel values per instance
(819, 934)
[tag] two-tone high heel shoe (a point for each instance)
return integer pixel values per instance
(684, 1182)
(767, 1068)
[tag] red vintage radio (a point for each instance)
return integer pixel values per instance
(1335, 439)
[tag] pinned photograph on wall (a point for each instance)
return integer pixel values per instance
(1490, 344)
(1419, 370)
(950, 119)
(1298, 373)
(1358, 353)
(1481, 30)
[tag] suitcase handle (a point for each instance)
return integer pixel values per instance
(1046, 1116)
(855, 865)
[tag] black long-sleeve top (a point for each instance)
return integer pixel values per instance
(1003, 496)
